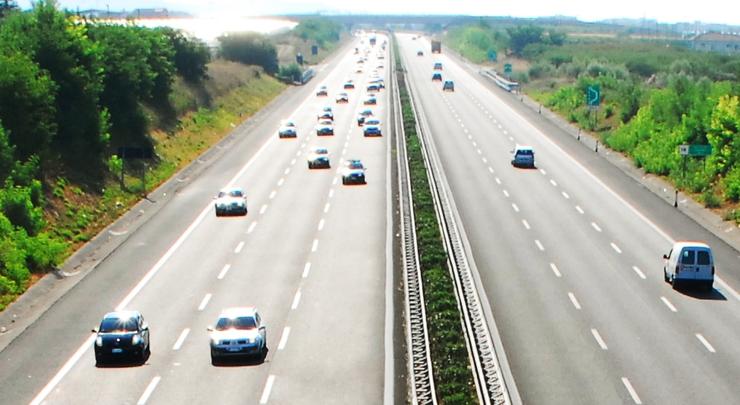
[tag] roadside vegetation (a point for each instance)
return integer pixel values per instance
(655, 96)
(450, 361)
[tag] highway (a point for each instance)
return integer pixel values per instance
(312, 255)
(569, 256)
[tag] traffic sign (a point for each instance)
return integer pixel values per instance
(314, 50)
(492, 55)
(695, 150)
(507, 68)
(683, 150)
(593, 95)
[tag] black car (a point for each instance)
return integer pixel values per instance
(122, 334)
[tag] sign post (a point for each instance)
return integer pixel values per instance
(507, 70)
(593, 99)
(694, 151)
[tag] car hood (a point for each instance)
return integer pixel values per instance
(123, 337)
(230, 200)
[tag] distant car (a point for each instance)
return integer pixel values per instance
(318, 158)
(437, 77)
(371, 130)
(370, 100)
(352, 164)
(689, 263)
(238, 332)
(287, 130)
(449, 85)
(379, 81)
(325, 128)
(380, 66)
(523, 156)
(437, 65)
(363, 115)
(231, 201)
(358, 69)
(356, 176)
(372, 121)
(342, 98)
(373, 87)
(325, 115)
(348, 85)
(322, 91)
(122, 334)
(419, 53)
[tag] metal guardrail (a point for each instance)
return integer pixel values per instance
(488, 377)
(417, 337)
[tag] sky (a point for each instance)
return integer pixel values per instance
(669, 11)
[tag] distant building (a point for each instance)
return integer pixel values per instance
(717, 42)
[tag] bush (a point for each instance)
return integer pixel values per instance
(731, 184)
(250, 49)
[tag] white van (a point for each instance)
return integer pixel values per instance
(689, 262)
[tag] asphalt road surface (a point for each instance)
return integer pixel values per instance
(570, 256)
(311, 255)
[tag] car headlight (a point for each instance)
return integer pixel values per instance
(99, 341)
(136, 340)
(214, 341)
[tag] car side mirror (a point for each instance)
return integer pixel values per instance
(263, 327)
(145, 326)
(665, 257)
(94, 330)
(210, 328)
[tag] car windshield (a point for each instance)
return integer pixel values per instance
(240, 323)
(321, 151)
(110, 325)
(373, 122)
(355, 165)
(236, 193)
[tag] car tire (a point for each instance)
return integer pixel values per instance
(310, 166)
(215, 360)
(98, 360)
(674, 283)
(709, 286)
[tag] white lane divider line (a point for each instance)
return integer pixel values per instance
(223, 272)
(292, 162)
(595, 226)
(272, 194)
(579, 209)
(616, 248)
(555, 270)
(515, 207)
(599, 340)
(321, 224)
(706, 343)
(553, 182)
(480, 152)
(525, 223)
(668, 304)
(239, 247)
(263, 209)
(506, 193)
(490, 169)
(331, 193)
(544, 173)
(306, 269)
(574, 301)
(287, 170)
(470, 137)
(251, 227)
(334, 182)
(485, 161)
(511, 138)
(539, 245)
(299, 152)
(280, 182)
(315, 245)
(631, 390)
(204, 302)
(498, 180)
(284, 338)
(149, 390)
(180, 340)
(326, 207)
(268, 388)
(296, 299)
(639, 272)
(475, 144)
(565, 195)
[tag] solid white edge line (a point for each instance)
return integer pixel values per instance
(668, 304)
(204, 302)
(296, 300)
(181, 339)
(599, 340)
(631, 390)
(284, 338)
(574, 301)
(239, 247)
(306, 269)
(149, 390)
(705, 343)
(555, 270)
(268, 389)
(63, 371)
(223, 272)
(639, 272)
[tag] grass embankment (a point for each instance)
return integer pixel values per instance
(231, 94)
(450, 362)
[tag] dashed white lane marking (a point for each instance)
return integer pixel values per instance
(668, 304)
(331, 193)
(470, 137)
(272, 194)
(326, 208)
(511, 138)
(639, 272)
(565, 195)
(490, 169)
(335, 180)
(315, 245)
(595, 226)
(515, 207)
(480, 152)
(475, 144)
(204, 302)
(506, 193)
(525, 223)
(149, 390)
(599, 340)
(292, 162)
(280, 182)
(706, 344)
(306, 269)
(268, 388)
(484, 160)
(263, 209)
(284, 338)
(544, 173)
(579, 209)
(321, 224)
(299, 152)
(553, 182)
(465, 130)
(296, 299)
(223, 272)
(616, 248)
(498, 180)
(287, 171)
(239, 247)
(251, 227)
(574, 301)
(555, 270)
(539, 245)
(631, 390)
(181, 339)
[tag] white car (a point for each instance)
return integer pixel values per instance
(318, 158)
(324, 128)
(238, 332)
(287, 130)
(231, 201)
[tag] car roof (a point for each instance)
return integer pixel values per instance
(237, 311)
(523, 147)
(122, 314)
(690, 243)
(230, 189)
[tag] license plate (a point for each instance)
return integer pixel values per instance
(117, 350)
(234, 349)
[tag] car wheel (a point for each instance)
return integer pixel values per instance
(310, 166)
(674, 282)
(214, 360)
(709, 286)
(218, 213)
(98, 360)
(344, 181)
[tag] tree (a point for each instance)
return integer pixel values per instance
(191, 55)
(724, 135)
(7, 7)
(523, 35)
(250, 49)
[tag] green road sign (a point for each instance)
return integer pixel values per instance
(695, 150)
(593, 95)
(492, 55)
(507, 68)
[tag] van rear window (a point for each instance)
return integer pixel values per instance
(687, 257)
(702, 257)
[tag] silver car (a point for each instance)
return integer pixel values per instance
(238, 332)
(318, 158)
(231, 201)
